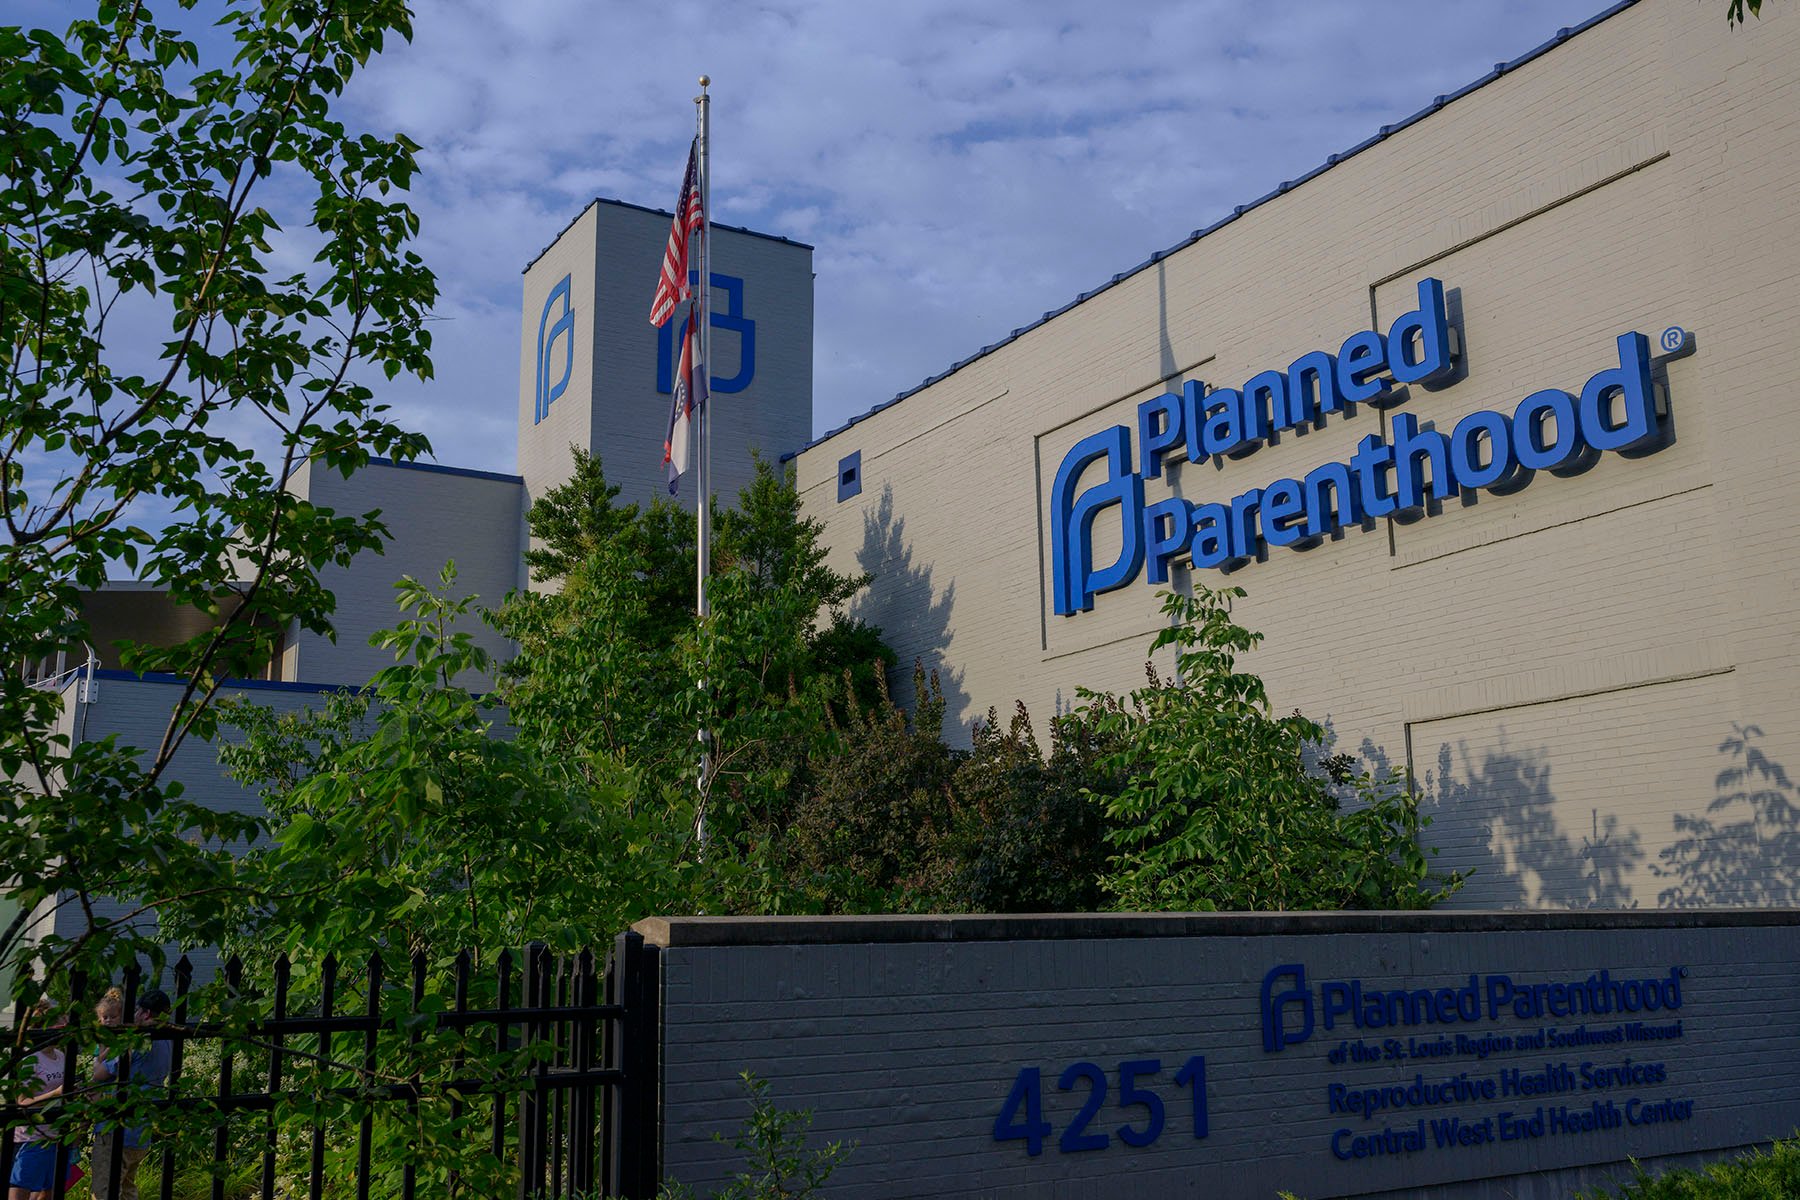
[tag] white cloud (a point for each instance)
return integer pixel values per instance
(960, 168)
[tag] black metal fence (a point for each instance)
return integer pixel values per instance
(540, 1074)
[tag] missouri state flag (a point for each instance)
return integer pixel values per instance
(690, 393)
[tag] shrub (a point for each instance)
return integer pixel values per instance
(1771, 1174)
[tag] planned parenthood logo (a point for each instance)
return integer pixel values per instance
(727, 317)
(1289, 1016)
(550, 332)
(1294, 998)
(1619, 408)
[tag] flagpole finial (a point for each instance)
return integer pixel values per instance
(706, 81)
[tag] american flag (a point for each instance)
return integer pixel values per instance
(681, 412)
(673, 288)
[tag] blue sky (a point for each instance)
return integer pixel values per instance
(961, 168)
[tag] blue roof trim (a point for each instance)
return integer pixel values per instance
(1386, 131)
(440, 469)
(661, 212)
(249, 685)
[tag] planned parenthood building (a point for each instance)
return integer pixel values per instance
(1491, 417)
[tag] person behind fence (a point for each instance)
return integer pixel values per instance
(34, 1160)
(148, 1069)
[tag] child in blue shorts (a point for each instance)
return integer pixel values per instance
(34, 1159)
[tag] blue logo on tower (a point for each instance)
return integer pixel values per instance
(545, 393)
(731, 320)
(1413, 469)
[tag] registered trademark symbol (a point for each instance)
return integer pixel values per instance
(1674, 338)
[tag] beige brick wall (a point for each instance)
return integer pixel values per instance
(1638, 176)
(544, 458)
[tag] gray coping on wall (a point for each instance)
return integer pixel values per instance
(441, 469)
(789, 931)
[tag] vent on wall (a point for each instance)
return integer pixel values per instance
(850, 475)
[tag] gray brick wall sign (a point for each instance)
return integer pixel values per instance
(1226, 1055)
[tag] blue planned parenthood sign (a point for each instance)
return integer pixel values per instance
(1232, 1055)
(1617, 409)
(1589, 1076)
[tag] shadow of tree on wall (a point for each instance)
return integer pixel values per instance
(1495, 812)
(905, 605)
(1745, 849)
(1499, 816)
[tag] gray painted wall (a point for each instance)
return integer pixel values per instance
(435, 515)
(907, 1035)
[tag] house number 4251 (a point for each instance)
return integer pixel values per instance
(1022, 1115)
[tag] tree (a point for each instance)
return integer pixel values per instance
(403, 822)
(597, 685)
(777, 654)
(606, 681)
(579, 523)
(137, 177)
(406, 826)
(415, 817)
(1028, 833)
(894, 820)
(868, 834)
(1221, 804)
(1734, 10)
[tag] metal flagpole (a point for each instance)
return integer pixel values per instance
(702, 427)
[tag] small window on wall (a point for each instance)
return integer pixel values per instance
(850, 475)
